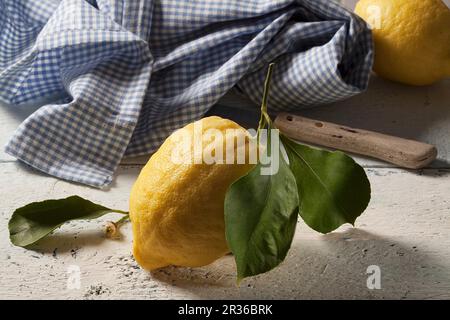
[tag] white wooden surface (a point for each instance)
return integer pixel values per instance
(405, 231)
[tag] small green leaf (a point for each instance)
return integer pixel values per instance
(34, 221)
(333, 189)
(260, 217)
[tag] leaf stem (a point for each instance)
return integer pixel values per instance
(120, 211)
(265, 118)
(266, 91)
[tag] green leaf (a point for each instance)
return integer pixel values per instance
(261, 210)
(34, 221)
(260, 218)
(333, 189)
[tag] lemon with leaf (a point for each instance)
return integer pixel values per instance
(207, 191)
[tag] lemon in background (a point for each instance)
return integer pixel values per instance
(412, 39)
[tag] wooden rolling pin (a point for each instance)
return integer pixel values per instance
(402, 152)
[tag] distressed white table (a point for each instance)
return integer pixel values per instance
(405, 231)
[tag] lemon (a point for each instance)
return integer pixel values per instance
(177, 202)
(412, 39)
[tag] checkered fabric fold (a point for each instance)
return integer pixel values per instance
(121, 75)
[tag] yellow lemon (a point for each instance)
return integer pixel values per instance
(412, 39)
(177, 202)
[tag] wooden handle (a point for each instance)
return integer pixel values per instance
(402, 152)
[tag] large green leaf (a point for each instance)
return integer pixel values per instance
(333, 189)
(261, 214)
(34, 221)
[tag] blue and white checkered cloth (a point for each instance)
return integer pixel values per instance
(123, 74)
